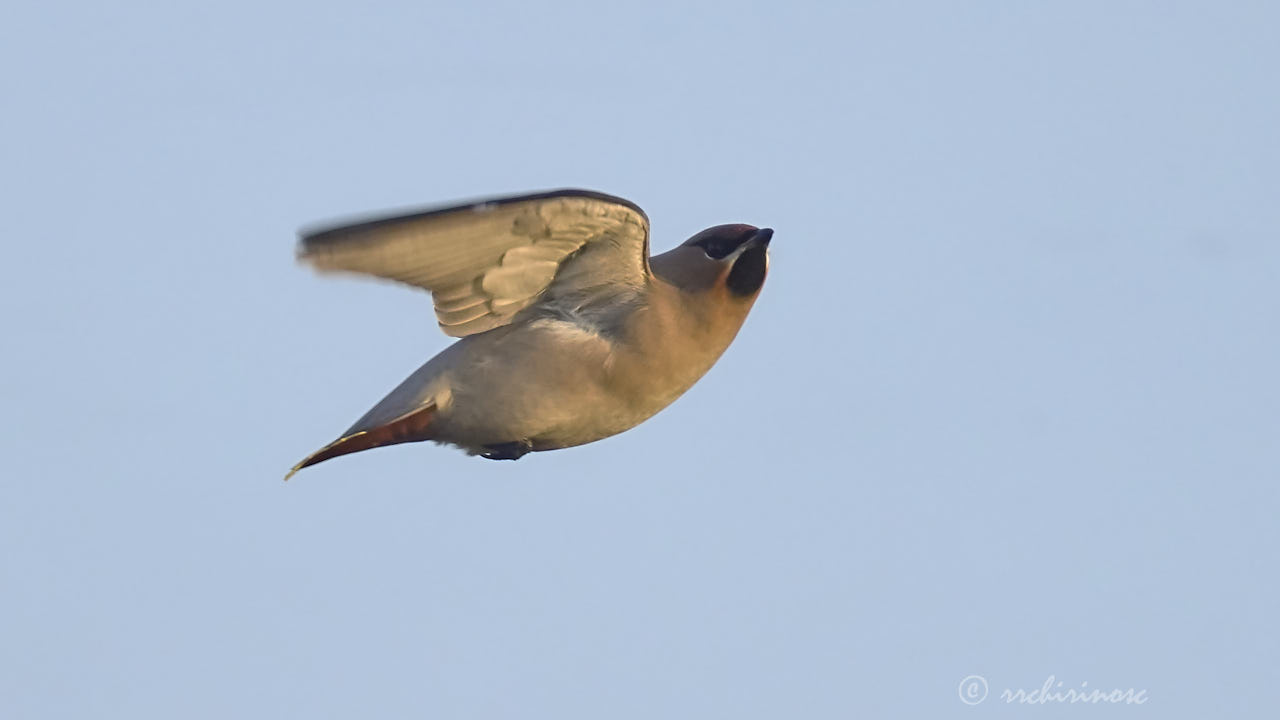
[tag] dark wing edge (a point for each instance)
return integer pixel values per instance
(316, 236)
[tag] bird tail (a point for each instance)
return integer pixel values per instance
(414, 426)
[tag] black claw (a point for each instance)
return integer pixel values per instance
(508, 450)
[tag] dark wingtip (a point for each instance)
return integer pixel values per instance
(317, 235)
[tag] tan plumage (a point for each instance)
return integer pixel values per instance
(569, 331)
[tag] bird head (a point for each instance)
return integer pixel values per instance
(732, 257)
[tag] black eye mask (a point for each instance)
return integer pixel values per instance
(722, 243)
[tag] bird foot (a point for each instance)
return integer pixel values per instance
(508, 450)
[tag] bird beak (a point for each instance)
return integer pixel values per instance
(759, 240)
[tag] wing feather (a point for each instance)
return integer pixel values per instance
(484, 262)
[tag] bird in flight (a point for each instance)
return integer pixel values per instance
(569, 332)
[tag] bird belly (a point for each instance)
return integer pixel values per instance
(561, 392)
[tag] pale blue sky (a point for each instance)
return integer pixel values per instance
(1008, 404)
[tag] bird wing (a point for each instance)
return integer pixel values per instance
(484, 262)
